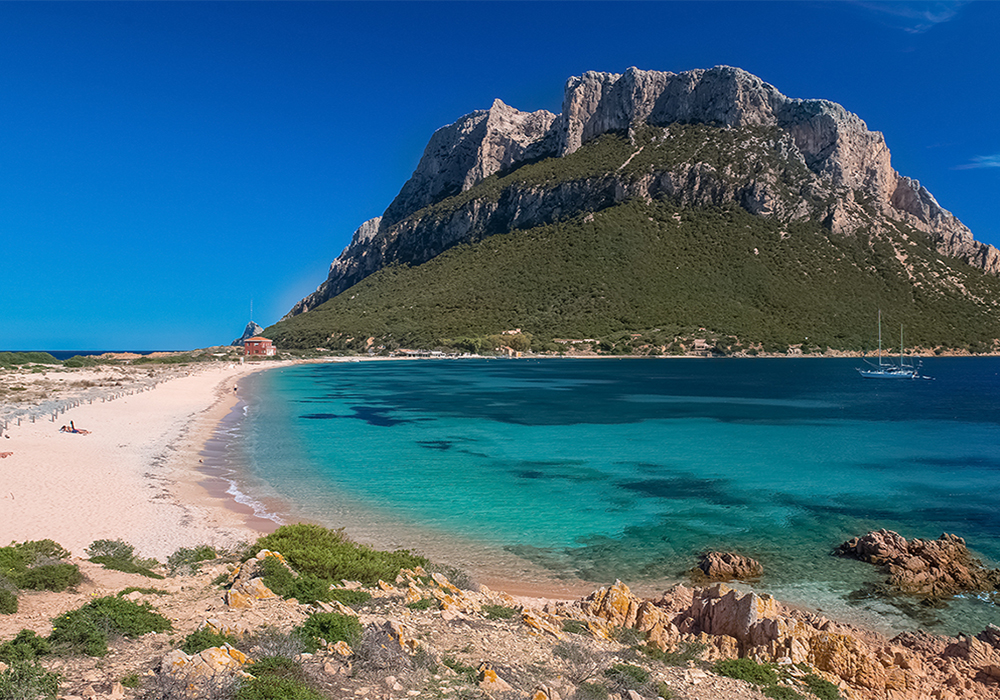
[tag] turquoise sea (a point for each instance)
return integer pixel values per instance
(576, 472)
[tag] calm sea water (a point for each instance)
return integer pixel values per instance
(591, 470)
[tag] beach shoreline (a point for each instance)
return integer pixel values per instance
(133, 475)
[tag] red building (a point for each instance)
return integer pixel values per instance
(258, 346)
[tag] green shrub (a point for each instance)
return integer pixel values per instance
(470, 673)
(43, 548)
(8, 602)
(687, 651)
(204, 638)
(26, 647)
(349, 597)
(747, 670)
(627, 676)
(188, 556)
(36, 565)
(51, 577)
(265, 686)
(138, 589)
(499, 612)
(306, 587)
(120, 556)
(575, 627)
(820, 687)
(329, 555)
(424, 604)
(112, 549)
(329, 627)
(781, 692)
(627, 636)
(591, 691)
(131, 680)
(25, 681)
(86, 629)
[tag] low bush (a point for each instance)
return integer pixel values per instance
(591, 691)
(205, 638)
(8, 602)
(267, 687)
(499, 612)
(306, 587)
(781, 692)
(51, 577)
(329, 628)
(120, 556)
(37, 565)
(191, 557)
(424, 604)
(270, 642)
(28, 681)
(583, 662)
(87, 629)
(820, 687)
(139, 589)
(686, 651)
(329, 555)
(131, 680)
(25, 647)
(470, 673)
(628, 636)
(379, 655)
(575, 627)
(747, 670)
(627, 676)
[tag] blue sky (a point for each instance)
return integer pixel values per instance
(162, 164)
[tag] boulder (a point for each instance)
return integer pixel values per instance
(933, 569)
(727, 566)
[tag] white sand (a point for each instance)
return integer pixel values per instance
(133, 477)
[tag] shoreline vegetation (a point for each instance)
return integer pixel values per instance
(123, 513)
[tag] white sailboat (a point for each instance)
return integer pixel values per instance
(889, 370)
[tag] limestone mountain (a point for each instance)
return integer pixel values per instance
(667, 152)
(250, 331)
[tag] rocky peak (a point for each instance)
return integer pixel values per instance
(849, 165)
(465, 153)
(251, 330)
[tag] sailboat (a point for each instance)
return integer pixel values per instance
(889, 370)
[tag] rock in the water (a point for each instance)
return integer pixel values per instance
(727, 566)
(938, 568)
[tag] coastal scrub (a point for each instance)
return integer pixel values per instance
(331, 556)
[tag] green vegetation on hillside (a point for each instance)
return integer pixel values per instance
(661, 272)
(320, 554)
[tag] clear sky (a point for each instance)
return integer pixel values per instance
(163, 164)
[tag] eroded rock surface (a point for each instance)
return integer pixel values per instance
(821, 150)
(938, 568)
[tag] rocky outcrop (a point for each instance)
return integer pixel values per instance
(844, 163)
(729, 566)
(251, 330)
(939, 568)
(246, 582)
(726, 623)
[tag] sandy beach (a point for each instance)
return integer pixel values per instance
(133, 476)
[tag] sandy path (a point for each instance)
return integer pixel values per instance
(133, 477)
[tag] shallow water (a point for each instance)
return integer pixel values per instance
(601, 469)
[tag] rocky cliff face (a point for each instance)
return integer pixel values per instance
(250, 331)
(811, 158)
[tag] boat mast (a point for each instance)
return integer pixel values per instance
(880, 337)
